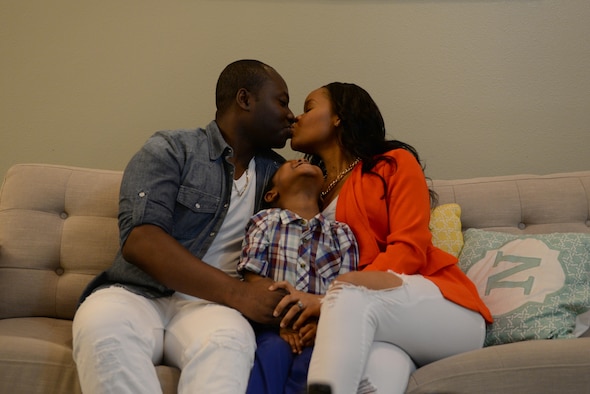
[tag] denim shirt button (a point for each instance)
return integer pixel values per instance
(197, 205)
(212, 234)
(141, 194)
(225, 205)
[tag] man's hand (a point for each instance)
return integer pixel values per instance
(255, 301)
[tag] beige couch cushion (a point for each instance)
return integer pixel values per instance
(37, 353)
(531, 367)
(522, 204)
(43, 267)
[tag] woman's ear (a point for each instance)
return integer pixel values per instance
(337, 122)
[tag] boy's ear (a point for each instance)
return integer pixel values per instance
(271, 196)
(243, 98)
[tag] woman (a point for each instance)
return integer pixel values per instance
(409, 304)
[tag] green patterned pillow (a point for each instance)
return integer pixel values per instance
(535, 286)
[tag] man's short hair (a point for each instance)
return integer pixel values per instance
(248, 74)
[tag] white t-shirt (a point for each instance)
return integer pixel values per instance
(224, 252)
(226, 248)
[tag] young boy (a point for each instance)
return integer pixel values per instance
(292, 241)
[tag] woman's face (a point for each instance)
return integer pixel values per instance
(315, 128)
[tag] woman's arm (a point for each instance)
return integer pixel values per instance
(373, 280)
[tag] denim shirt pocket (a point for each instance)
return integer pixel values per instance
(194, 212)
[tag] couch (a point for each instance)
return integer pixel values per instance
(58, 229)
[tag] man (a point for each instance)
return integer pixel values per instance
(172, 293)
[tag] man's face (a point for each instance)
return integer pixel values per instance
(272, 116)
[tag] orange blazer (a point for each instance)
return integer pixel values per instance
(391, 226)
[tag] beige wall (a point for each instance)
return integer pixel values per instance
(480, 87)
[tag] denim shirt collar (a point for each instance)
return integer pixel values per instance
(217, 144)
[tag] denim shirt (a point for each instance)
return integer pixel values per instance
(181, 182)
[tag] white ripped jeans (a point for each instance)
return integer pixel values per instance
(119, 336)
(369, 341)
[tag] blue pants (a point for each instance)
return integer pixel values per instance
(277, 370)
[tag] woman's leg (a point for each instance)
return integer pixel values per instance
(117, 338)
(388, 369)
(213, 346)
(415, 317)
(344, 337)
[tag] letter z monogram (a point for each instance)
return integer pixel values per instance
(524, 263)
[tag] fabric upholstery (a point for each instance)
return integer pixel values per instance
(445, 226)
(535, 286)
(58, 229)
(521, 204)
(542, 366)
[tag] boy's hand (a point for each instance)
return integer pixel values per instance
(307, 333)
(292, 338)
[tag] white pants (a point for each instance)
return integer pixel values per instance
(119, 336)
(369, 341)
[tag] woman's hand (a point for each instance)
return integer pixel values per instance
(296, 304)
(374, 280)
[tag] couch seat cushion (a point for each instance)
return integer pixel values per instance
(36, 356)
(539, 366)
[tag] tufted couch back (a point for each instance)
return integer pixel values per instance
(522, 204)
(58, 229)
(58, 225)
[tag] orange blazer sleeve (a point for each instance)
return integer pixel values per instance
(391, 223)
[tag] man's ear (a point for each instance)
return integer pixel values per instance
(271, 196)
(243, 98)
(337, 122)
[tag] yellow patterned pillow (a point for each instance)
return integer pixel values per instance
(445, 225)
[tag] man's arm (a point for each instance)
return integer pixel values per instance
(166, 260)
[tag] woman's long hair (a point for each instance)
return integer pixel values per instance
(363, 130)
